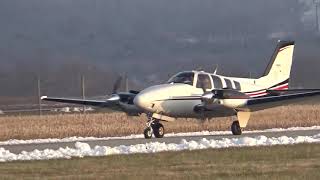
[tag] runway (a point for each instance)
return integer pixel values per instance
(18, 148)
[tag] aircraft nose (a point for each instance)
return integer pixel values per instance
(142, 101)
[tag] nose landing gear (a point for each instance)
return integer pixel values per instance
(158, 130)
(153, 127)
(147, 133)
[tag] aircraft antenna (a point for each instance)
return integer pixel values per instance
(216, 69)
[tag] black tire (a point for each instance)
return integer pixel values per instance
(147, 133)
(235, 128)
(158, 130)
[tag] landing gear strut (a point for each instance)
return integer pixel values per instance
(153, 127)
(235, 128)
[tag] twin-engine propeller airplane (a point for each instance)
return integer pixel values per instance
(199, 94)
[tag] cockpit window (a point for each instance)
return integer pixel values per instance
(184, 77)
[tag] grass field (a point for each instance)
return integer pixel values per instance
(118, 124)
(277, 162)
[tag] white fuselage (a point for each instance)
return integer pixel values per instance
(160, 99)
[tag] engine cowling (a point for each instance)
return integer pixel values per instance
(226, 97)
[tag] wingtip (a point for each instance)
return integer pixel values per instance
(43, 97)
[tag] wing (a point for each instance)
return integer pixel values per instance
(282, 97)
(97, 103)
(215, 110)
(277, 98)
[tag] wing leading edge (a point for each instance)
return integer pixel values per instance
(284, 97)
(97, 103)
(276, 98)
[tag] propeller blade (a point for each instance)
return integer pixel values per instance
(116, 85)
(203, 87)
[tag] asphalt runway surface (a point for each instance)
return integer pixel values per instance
(18, 148)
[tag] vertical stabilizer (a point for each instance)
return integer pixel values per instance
(277, 73)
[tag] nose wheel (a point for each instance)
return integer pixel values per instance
(153, 127)
(158, 130)
(147, 133)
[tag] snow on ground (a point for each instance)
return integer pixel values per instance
(70, 109)
(84, 149)
(136, 136)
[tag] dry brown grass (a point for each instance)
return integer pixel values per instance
(118, 124)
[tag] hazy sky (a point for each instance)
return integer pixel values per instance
(150, 39)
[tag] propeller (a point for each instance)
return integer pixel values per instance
(208, 97)
(116, 96)
(116, 85)
(204, 99)
(216, 94)
(202, 85)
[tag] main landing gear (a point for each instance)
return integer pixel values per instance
(235, 128)
(153, 127)
(240, 123)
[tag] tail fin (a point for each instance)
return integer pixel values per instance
(277, 73)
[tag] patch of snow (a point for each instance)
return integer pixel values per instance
(80, 109)
(1, 112)
(89, 109)
(65, 109)
(138, 136)
(84, 149)
(54, 110)
(76, 109)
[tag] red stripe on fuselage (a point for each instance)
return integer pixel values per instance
(281, 87)
(260, 92)
(263, 92)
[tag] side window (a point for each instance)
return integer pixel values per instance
(228, 83)
(204, 81)
(237, 84)
(217, 82)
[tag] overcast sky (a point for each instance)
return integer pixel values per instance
(150, 39)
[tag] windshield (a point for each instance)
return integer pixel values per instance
(184, 77)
